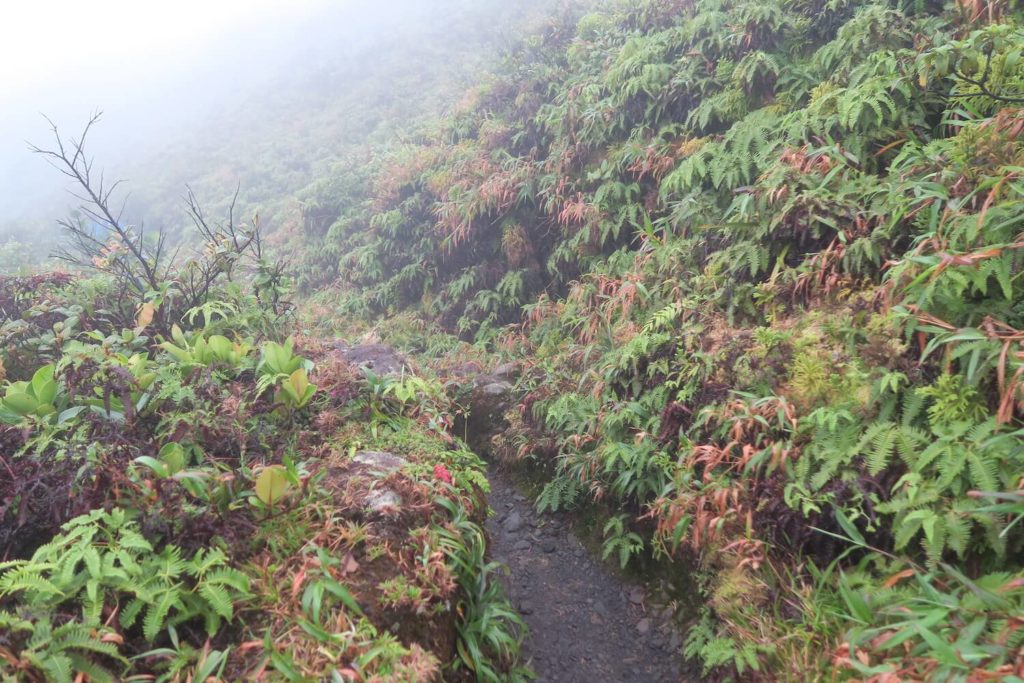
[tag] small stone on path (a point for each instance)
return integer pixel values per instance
(512, 523)
(568, 597)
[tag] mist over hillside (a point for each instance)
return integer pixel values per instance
(577, 340)
(259, 103)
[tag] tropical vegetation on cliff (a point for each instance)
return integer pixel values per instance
(760, 264)
(763, 263)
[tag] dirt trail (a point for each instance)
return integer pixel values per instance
(586, 625)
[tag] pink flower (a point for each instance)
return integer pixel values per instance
(441, 473)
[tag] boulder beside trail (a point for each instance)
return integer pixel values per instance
(490, 396)
(377, 358)
(380, 461)
(383, 502)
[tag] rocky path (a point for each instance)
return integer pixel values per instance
(586, 625)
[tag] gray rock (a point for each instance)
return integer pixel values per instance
(379, 460)
(548, 546)
(513, 522)
(378, 358)
(496, 389)
(383, 500)
(470, 369)
(643, 626)
(522, 545)
(506, 371)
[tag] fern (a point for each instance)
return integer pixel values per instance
(100, 561)
(560, 493)
(617, 539)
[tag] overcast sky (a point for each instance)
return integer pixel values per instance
(52, 41)
(148, 65)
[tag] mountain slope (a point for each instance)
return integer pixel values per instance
(762, 260)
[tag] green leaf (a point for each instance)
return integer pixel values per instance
(849, 528)
(339, 591)
(43, 386)
(272, 484)
(218, 598)
(158, 466)
(156, 615)
(854, 601)
(58, 666)
(70, 414)
(173, 456)
(21, 403)
(940, 648)
(92, 562)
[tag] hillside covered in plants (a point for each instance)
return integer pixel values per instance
(745, 275)
(194, 489)
(762, 264)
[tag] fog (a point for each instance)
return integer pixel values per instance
(151, 68)
(175, 80)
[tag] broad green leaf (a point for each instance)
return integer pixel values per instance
(22, 404)
(158, 466)
(173, 456)
(271, 484)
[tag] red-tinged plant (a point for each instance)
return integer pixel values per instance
(442, 474)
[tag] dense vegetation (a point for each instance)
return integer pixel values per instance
(763, 261)
(190, 492)
(761, 265)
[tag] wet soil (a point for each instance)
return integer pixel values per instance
(586, 623)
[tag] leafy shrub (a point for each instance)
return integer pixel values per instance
(102, 566)
(40, 398)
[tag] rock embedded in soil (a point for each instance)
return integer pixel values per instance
(506, 371)
(381, 461)
(513, 522)
(378, 358)
(383, 501)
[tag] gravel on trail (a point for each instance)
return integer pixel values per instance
(586, 625)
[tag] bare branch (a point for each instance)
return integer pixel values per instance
(70, 159)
